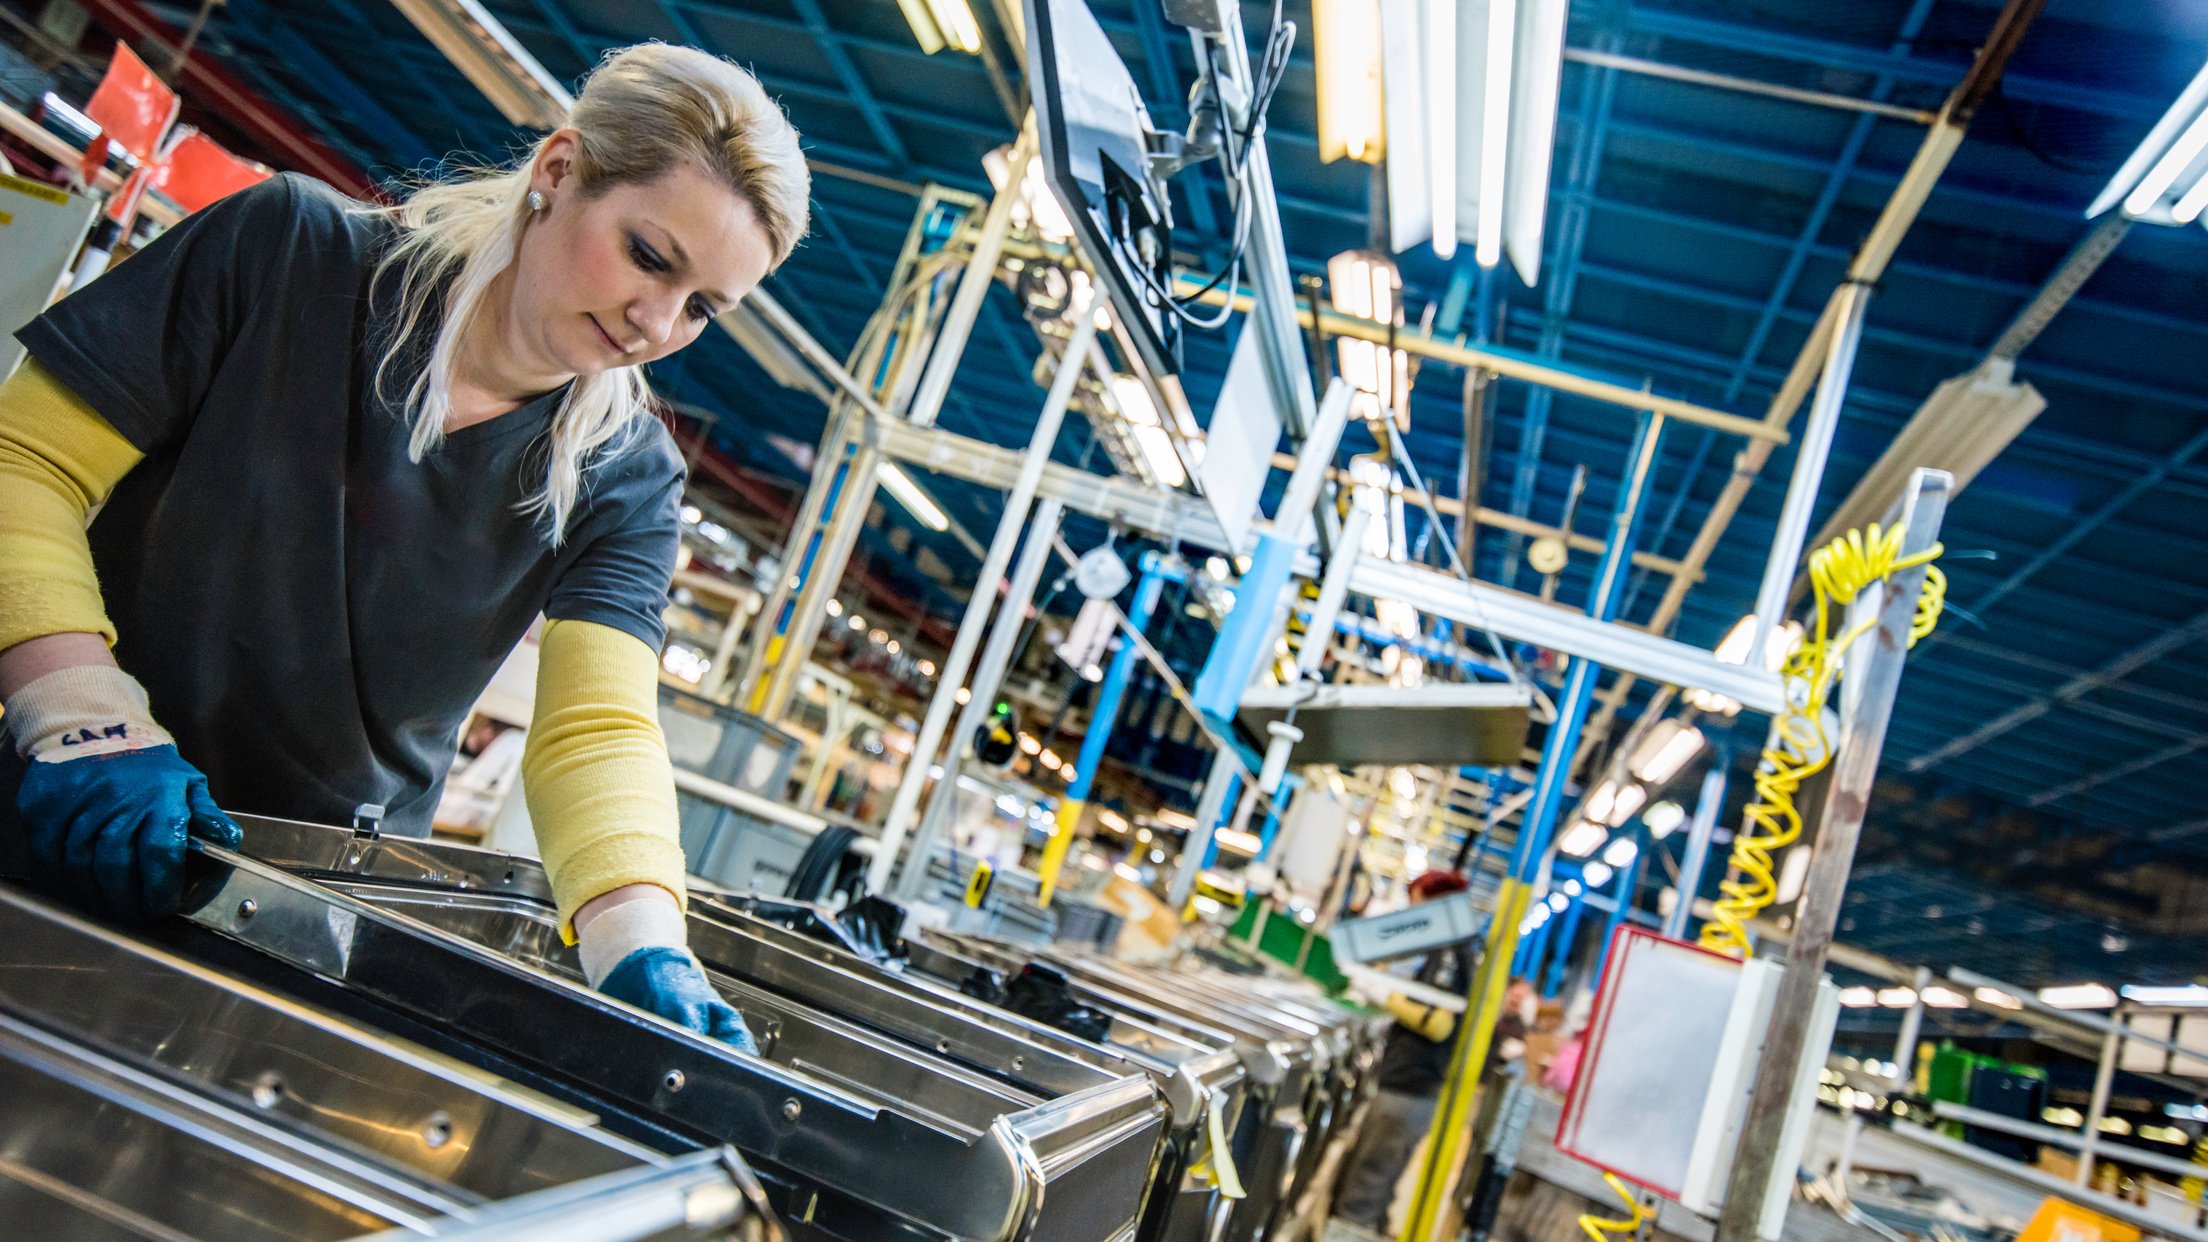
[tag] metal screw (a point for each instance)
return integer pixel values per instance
(673, 1081)
(790, 1109)
(247, 907)
(438, 1131)
(942, 1045)
(268, 1090)
(1019, 1063)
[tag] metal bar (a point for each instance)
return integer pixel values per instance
(1452, 1116)
(1224, 767)
(996, 656)
(2057, 1136)
(973, 287)
(955, 663)
(1876, 671)
(2104, 1077)
(2077, 267)
(697, 1193)
(1912, 1024)
(1726, 81)
(1706, 811)
(1809, 466)
(2047, 1183)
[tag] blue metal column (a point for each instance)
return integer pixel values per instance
(1629, 879)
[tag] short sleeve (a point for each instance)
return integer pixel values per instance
(621, 575)
(143, 343)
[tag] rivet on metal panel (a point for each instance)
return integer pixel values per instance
(438, 1130)
(268, 1090)
(247, 908)
(790, 1109)
(1019, 1063)
(942, 1045)
(673, 1080)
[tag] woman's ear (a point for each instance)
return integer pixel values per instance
(554, 165)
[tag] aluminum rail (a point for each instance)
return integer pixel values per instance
(2048, 1183)
(2059, 1137)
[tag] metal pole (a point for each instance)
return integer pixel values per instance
(1629, 882)
(1706, 811)
(973, 288)
(2104, 1077)
(996, 656)
(1476, 1033)
(1875, 666)
(1809, 464)
(961, 655)
(1912, 1024)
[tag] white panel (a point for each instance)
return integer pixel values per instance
(1312, 837)
(1239, 444)
(1533, 130)
(1403, 76)
(1654, 1046)
(39, 237)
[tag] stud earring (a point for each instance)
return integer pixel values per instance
(536, 200)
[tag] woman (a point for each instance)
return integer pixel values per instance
(341, 458)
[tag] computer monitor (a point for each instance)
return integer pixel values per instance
(1095, 156)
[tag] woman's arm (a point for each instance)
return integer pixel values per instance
(58, 458)
(600, 787)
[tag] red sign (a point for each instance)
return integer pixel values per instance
(133, 108)
(199, 172)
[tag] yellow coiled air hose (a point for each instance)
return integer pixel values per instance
(1601, 1230)
(1799, 749)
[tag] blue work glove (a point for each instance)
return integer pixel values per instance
(667, 981)
(106, 802)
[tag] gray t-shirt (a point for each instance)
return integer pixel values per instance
(311, 613)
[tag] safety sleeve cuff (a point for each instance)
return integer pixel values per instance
(613, 860)
(91, 709)
(642, 918)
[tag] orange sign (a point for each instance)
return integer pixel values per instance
(199, 172)
(2058, 1220)
(132, 107)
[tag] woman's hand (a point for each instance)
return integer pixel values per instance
(633, 943)
(107, 802)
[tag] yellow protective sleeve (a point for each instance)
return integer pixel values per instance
(1427, 1022)
(601, 789)
(58, 458)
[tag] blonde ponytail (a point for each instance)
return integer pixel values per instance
(645, 110)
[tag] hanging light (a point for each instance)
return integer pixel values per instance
(1147, 430)
(1345, 50)
(897, 483)
(2168, 163)
(1596, 874)
(1036, 205)
(1663, 819)
(938, 24)
(1581, 838)
(1665, 750)
(1366, 284)
(1620, 852)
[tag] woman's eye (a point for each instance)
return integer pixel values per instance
(700, 311)
(645, 257)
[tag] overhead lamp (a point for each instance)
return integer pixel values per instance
(2189, 996)
(1663, 819)
(1051, 760)
(835, 607)
(1147, 431)
(1664, 751)
(1621, 852)
(1440, 92)
(1628, 800)
(492, 60)
(1897, 998)
(2167, 165)
(857, 622)
(1596, 874)
(1570, 888)
(1367, 285)
(1996, 998)
(963, 695)
(1345, 51)
(927, 668)
(1740, 641)
(1029, 746)
(1581, 838)
(1599, 802)
(938, 24)
(1858, 998)
(916, 502)
(1937, 997)
(1374, 489)
(1239, 841)
(1502, 52)
(2079, 996)
(1559, 902)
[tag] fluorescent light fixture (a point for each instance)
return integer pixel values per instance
(1534, 90)
(1345, 50)
(492, 60)
(835, 607)
(1628, 800)
(1663, 819)
(1157, 450)
(2188, 208)
(1238, 841)
(963, 695)
(1665, 750)
(2078, 996)
(1403, 100)
(1570, 888)
(1937, 997)
(1502, 51)
(938, 24)
(2188, 996)
(1596, 874)
(927, 668)
(1897, 998)
(2162, 158)
(1147, 430)
(1741, 640)
(1620, 852)
(856, 622)
(1858, 998)
(1581, 838)
(1440, 74)
(1051, 760)
(1029, 746)
(1996, 998)
(916, 502)
(1599, 802)
(1367, 285)
(1036, 204)
(1559, 902)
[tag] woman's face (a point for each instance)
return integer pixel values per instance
(630, 275)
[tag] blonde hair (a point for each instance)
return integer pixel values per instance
(645, 110)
